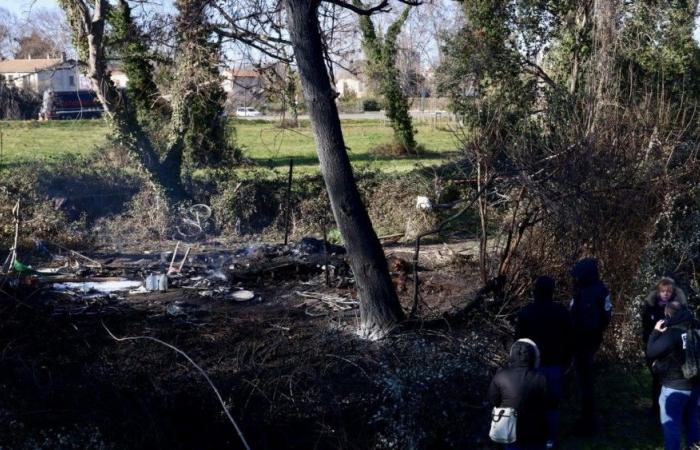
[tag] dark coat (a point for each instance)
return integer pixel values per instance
(591, 309)
(520, 386)
(653, 312)
(549, 325)
(666, 350)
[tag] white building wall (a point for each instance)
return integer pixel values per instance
(119, 79)
(58, 80)
(344, 85)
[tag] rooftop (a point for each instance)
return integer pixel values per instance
(28, 65)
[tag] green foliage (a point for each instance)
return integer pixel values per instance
(127, 41)
(382, 61)
(371, 104)
(198, 96)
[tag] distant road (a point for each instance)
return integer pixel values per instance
(375, 115)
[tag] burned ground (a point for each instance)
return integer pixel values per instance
(287, 363)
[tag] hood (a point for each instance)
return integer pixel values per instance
(682, 317)
(524, 353)
(586, 271)
(678, 294)
(543, 290)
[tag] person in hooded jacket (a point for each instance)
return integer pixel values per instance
(522, 387)
(665, 292)
(591, 311)
(548, 324)
(678, 401)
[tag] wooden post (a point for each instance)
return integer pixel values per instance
(288, 202)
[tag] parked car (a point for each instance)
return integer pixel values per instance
(247, 112)
(81, 104)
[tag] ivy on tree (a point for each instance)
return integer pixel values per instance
(381, 57)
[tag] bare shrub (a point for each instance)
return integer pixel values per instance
(574, 182)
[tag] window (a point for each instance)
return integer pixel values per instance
(71, 80)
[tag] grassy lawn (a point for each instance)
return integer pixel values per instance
(264, 144)
(272, 147)
(43, 141)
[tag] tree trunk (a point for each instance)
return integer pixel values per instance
(124, 124)
(380, 310)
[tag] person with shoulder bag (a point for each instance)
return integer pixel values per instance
(673, 346)
(519, 396)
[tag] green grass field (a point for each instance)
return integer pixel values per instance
(25, 141)
(264, 144)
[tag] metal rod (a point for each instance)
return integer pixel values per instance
(172, 261)
(187, 253)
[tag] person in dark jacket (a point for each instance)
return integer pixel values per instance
(678, 401)
(522, 387)
(665, 292)
(591, 310)
(548, 324)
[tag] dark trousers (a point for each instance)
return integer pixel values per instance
(655, 386)
(554, 375)
(583, 363)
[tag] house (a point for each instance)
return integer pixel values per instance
(118, 77)
(349, 85)
(245, 85)
(39, 75)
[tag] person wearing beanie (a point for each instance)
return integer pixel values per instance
(548, 324)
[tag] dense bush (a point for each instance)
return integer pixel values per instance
(18, 104)
(371, 104)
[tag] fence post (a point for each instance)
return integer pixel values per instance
(288, 202)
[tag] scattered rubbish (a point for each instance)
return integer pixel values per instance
(313, 246)
(106, 287)
(21, 268)
(423, 203)
(172, 261)
(242, 296)
(140, 290)
(171, 269)
(194, 222)
(157, 282)
(319, 304)
(174, 310)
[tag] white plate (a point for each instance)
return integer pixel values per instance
(242, 296)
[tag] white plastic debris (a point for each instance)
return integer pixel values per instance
(242, 296)
(105, 287)
(139, 290)
(157, 282)
(423, 203)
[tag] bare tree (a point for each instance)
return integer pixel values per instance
(34, 45)
(306, 20)
(7, 32)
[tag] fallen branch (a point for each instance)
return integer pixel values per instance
(204, 374)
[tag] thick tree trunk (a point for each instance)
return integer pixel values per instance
(380, 310)
(91, 26)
